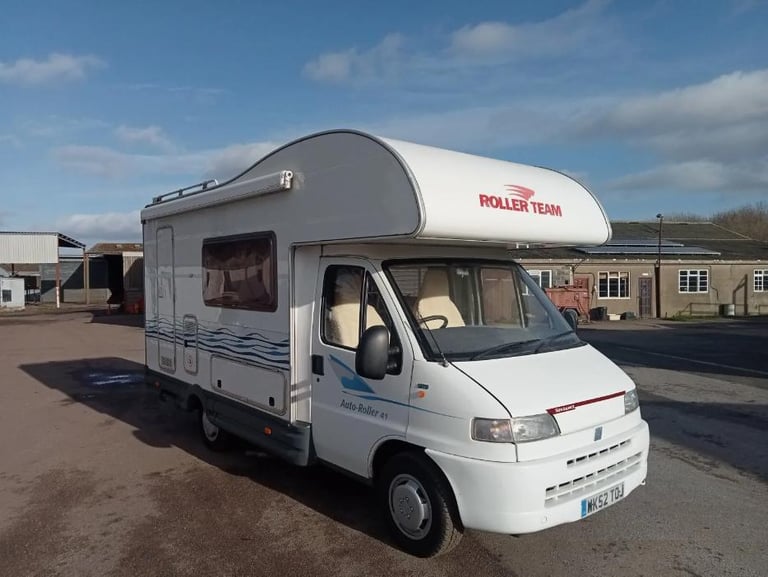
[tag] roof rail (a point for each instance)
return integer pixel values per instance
(187, 189)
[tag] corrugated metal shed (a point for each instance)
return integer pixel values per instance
(34, 247)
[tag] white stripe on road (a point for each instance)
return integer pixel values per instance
(687, 359)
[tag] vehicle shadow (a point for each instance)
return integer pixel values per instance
(117, 318)
(709, 435)
(115, 387)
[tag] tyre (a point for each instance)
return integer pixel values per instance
(572, 317)
(419, 505)
(214, 438)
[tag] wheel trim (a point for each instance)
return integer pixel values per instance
(409, 506)
(210, 430)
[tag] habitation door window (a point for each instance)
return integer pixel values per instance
(761, 280)
(694, 281)
(240, 272)
(613, 285)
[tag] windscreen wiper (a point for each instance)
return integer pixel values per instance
(553, 338)
(501, 348)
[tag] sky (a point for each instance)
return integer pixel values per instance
(656, 106)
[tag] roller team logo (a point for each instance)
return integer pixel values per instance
(518, 199)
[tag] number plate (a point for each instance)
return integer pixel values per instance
(601, 500)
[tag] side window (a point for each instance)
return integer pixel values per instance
(344, 319)
(240, 272)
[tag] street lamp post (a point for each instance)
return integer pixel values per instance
(658, 269)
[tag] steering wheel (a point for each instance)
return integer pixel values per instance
(425, 320)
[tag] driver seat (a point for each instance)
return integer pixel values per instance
(434, 299)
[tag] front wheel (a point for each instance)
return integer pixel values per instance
(214, 438)
(419, 505)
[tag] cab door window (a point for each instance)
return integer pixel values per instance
(351, 303)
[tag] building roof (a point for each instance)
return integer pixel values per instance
(34, 247)
(115, 247)
(679, 240)
(674, 231)
(64, 240)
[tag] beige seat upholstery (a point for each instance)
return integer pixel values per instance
(344, 316)
(434, 299)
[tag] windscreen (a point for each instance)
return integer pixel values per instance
(478, 310)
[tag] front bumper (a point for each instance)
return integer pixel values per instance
(524, 497)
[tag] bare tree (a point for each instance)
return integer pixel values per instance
(750, 220)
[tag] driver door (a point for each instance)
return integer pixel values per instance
(350, 414)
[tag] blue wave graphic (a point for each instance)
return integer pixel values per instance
(357, 387)
(349, 378)
(251, 346)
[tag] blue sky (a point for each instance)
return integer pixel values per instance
(658, 106)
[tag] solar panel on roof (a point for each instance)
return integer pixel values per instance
(641, 242)
(665, 250)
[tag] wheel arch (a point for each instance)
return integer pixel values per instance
(386, 449)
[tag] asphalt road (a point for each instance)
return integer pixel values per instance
(99, 478)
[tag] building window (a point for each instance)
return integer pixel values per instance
(761, 280)
(694, 281)
(613, 285)
(7, 296)
(543, 278)
(240, 272)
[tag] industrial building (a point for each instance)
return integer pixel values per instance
(661, 269)
(23, 253)
(107, 273)
(696, 269)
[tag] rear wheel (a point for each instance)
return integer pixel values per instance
(419, 505)
(214, 438)
(572, 317)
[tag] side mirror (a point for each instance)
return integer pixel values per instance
(372, 354)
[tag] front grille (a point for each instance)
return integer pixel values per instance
(597, 454)
(590, 482)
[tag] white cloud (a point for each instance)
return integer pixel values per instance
(708, 136)
(55, 67)
(10, 140)
(742, 6)
(108, 226)
(153, 135)
(732, 98)
(332, 66)
(381, 60)
(580, 30)
(98, 160)
(228, 162)
(221, 163)
(572, 29)
(699, 176)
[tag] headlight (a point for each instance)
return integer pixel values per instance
(631, 401)
(492, 430)
(534, 428)
(517, 430)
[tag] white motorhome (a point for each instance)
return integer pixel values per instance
(350, 300)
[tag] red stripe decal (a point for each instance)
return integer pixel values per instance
(572, 406)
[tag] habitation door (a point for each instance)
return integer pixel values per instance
(644, 291)
(350, 414)
(166, 301)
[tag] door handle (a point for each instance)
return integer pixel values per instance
(317, 365)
